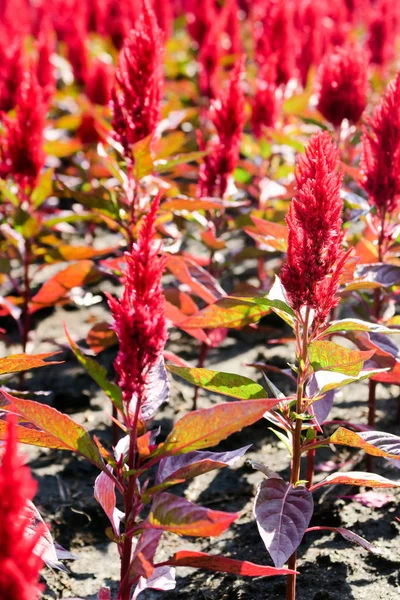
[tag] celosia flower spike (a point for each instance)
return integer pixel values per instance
(227, 114)
(315, 258)
(22, 153)
(19, 564)
(265, 103)
(139, 317)
(136, 97)
(380, 159)
(343, 85)
(99, 81)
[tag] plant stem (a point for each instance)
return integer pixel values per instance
(296, 442)
(377, 314)
(131, 509)
(26, 298)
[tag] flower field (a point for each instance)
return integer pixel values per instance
(199, 324)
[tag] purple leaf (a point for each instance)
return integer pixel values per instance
(321, 408)
(157, 391)
(372, 499)
(144, 552)
(45, 547)
(282, 513)
(376, 443)
(104, 492)
(357, 478)
(348, 535)
(175, 469)
(163, 578)
(381, 273)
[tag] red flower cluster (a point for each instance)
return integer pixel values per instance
(227, 114)
(11, 67)
(45, 48)
(200, 18)
(139, 317)
(315, 258)
(380, 160)
(343, 85)
(22, 153)
(311, 36)
(19, 565)
(265, 103)
(382, 32)
(99, 82)
(136, 97)
(276, 36)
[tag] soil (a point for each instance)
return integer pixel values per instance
(330, 567)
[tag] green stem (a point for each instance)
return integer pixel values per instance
(296, 442)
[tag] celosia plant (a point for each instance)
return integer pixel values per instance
(305, 296)
(227, 115)
(20, 565)
(380, 164)
(136, 98)
(343, 85)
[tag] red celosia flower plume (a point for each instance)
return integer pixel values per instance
(265, 103)
(382, 32)
(343, 85)
(200, 17)
(163, 10)
(139, 317)
(99, 82)
(315, 258)
(45, 49)
(275, 35)
(22, 153)
(310, 35)
(227, 114)
(19, 565)
(380, 160)
(136, 97)
(11, 67)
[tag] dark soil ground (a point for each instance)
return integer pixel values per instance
(330, 568)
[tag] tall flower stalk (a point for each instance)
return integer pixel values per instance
(137, 94)
(140, 325)
(380, 166)
(315, 262)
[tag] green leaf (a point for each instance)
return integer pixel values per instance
(143, 162)
(329, 356)
(205, 428)
(357, 325)
(43, 188)
(163, 166)
(329, 380)
(98, 373)
(56, 430)
(227, 384)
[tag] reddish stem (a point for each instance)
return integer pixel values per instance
(302, 344)
(26, 296)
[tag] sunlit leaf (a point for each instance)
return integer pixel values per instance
(23, 362)
(54, 429)
(178, 515)
(376, 443)
(221, 564)
(227, 384)
(207, 427)
(329, 356)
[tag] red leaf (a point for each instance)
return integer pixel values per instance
(201, 560)
(57, 287)
(200, 282)
(101, 337)
(178, 515)
(54, 429)
(357, 478)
